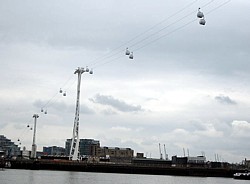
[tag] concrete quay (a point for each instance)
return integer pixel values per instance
(127, 168)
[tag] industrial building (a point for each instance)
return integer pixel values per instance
(188, 161)
(54, 150)
(91, 148)
(87, 147)
(115, 152)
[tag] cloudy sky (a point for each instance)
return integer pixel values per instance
(187, 87)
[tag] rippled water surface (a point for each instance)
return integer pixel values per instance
(12, 176)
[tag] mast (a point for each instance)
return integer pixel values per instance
(160, 151)
(34, 147)
(166, 155)
(74, 149)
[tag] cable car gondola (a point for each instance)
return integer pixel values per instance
(127, 52)
(64, 94)
(202, 21)
(200, 14)
(87, 70)
(131, 56)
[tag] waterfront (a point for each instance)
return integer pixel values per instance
(19, 176)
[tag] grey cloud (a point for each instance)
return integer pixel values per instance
(198, 125)
(86, 110)
(109, 112)
(115, 103)
(225, 100)
(62, 107)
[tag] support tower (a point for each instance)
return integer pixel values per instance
(34, 147)
(74, 149)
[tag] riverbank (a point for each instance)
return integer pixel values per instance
(121, 168)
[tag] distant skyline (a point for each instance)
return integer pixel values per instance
(187, 86)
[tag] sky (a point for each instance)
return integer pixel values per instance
(187, 86)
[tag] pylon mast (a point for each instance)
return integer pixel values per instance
(74, 149)
(34, 147)
(160, 151)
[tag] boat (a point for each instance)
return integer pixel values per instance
(242, 176)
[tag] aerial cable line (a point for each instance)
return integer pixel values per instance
(141, 34)
(171, 32)
(164, 35)
(149, 35)
(71, 84)
(153, 34)
(23, 133)
(146, 37)
(109, 61)
(71, 76)
(107, 57)
(53, 99)
(223, 4)
(164, 20)
(181, 27)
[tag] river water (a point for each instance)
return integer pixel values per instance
(13, 176)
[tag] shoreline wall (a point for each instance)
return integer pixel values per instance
(120, 168)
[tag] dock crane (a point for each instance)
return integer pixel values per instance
(166, 155)
(160, 151)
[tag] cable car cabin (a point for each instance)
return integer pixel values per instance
(127, 51)
(131, 56)
(202, 22)
(46, 112)
(87, 70)
(41, 109)
(91, 72)
(60, 90)
(64, 94)
(28, 126)
(200, 14)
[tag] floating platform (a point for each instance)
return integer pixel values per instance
(242, 176)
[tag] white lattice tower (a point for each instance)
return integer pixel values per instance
(34, 147)
(74, 149)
